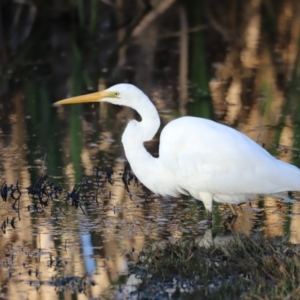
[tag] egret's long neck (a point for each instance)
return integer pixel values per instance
(136, 133)
(150, 120)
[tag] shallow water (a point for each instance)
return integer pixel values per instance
(56, 245)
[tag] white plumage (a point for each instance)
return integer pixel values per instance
(197, 156)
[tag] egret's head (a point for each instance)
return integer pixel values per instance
(119, 94)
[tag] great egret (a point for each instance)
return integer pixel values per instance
(197, 156)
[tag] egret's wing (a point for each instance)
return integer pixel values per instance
(214, 158)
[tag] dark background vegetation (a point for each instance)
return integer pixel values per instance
(136, 39)
(233, 61)
(215, 59)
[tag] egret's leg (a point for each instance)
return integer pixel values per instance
(208, 222)
(207, 200)
(232, 209)
(209, 215)
(207, 240)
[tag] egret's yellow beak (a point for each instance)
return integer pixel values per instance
(93, 97)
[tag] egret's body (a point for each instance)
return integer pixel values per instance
(197, 156)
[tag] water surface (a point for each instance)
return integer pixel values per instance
(75, 232)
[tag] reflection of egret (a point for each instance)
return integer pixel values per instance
(208, 160)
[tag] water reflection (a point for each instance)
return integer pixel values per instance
(58, 250)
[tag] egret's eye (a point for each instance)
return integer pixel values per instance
(117, 94)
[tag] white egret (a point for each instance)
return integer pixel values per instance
(197, 156)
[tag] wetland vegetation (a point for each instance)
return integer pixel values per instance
(89, 229)
(237, 268)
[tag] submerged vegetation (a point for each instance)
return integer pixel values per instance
(243, 268)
